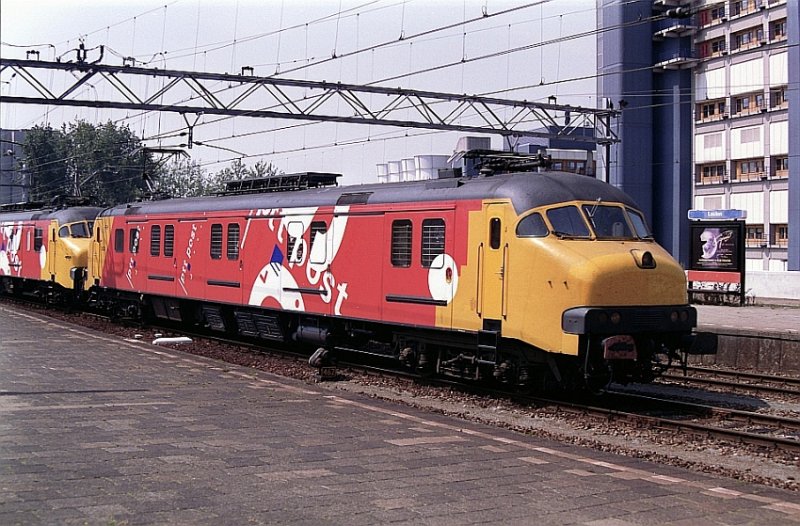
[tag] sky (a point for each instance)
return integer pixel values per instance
(286, 38)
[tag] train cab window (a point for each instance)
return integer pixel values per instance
(401, 243)
(567, 221)
(319, 242)
(433, 242)
(169, 240)
(532, 226)
(232, 247)
(133, 241)
(119, 240)
(79, 230)
(494, 232)
(63, 231)
(216, 241)
(155, 240)
(295, 246)
(639, 224)
(608, 222)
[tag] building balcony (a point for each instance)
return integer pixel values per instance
(683, 59)
(750, 176)
(675, 29)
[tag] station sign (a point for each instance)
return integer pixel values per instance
(717, 215)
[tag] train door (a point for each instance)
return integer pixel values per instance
(224, 279)
(161, 262)
(492, 264)
(52, 249)
(99, 235)
(419, 278)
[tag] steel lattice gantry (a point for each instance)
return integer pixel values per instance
(190, 92)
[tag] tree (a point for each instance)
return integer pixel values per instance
(104, 161)
(184, 178)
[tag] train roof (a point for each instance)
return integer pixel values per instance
(62, 215)
(525, 190)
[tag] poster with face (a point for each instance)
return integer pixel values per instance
(717, 246)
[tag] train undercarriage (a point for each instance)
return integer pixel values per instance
(467, 356)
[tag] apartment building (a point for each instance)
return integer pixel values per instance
(741, 121)
(732, 69)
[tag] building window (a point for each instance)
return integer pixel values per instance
(711, 174)
(713, 48)
(401, 243)
(780, 234)
(433, 241)
(749, 170)
(745, 7)
(155, 240)
(169, 240)
(747, 39)
(754, 236)
(781, 165)
(748, 103)
(232, 246)
(711, 111)
(216, 241)
(715, 15)
(777, 98)
(777, 30)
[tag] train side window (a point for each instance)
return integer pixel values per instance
(433, 231)
(27, 240)
(494, 232)
(63, 232)
(232, 248)
(295, 246)
(169, 240)
(532, 226)
(133, 241)
(216, 241)
(401, 243)
(155, 240)
(38, 236)
(119, 240)
(319, 242)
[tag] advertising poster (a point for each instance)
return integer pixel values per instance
(717, 245)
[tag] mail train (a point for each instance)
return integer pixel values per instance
(539, 278)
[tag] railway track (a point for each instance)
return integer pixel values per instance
(735, 380)
(685, 416)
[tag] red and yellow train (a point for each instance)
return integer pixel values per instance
(531, 278)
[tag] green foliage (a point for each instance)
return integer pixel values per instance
(183, 178)
(104, 161)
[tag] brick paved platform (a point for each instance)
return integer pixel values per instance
(97, 430)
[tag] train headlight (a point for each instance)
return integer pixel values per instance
(673, 316)
(602, 318)
(684, 316)
(615, 318)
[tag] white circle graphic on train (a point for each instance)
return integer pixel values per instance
(443, 278)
